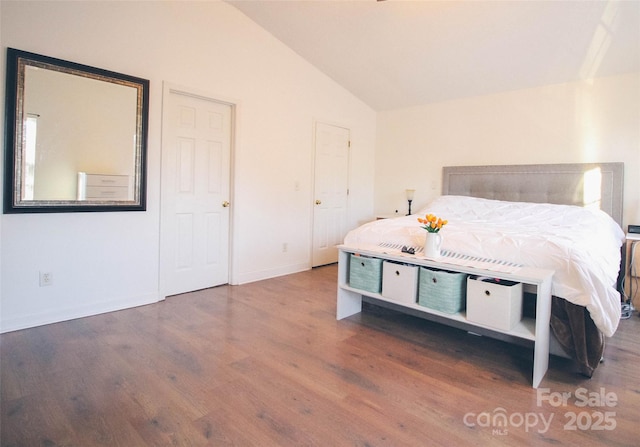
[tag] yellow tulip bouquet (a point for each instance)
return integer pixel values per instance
(432, 223)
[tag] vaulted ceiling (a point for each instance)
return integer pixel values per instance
(400, 53)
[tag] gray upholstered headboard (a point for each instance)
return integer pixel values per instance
(552, 183)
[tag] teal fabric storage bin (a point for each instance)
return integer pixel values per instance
(365, 273)
(442, 290)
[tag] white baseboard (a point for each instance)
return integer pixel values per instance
(59, 315)
(28, 321)
(259, 275)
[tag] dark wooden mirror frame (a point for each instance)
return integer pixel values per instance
(15, 116)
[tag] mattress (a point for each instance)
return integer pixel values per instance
(582, 245)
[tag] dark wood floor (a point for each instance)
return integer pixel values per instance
(267, 364)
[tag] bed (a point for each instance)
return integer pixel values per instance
(566, 218)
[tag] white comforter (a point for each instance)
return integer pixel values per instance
(581, 245)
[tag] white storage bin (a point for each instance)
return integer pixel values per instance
(494, 303)
(399, 282)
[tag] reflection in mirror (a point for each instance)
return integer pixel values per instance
(76, 137)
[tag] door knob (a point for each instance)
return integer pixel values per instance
(225, 204)
(318, 202)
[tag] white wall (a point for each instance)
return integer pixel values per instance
(106, 261)
(578, 122)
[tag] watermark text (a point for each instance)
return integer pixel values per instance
(596, 413)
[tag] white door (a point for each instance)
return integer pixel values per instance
(331, 189)
(196, 153)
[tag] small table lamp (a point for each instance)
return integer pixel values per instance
(410, 193)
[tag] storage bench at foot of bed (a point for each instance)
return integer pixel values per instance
(401, 269)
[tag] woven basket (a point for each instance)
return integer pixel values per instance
(442, 290)
(365, 273)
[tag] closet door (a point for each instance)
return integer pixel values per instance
(196, 153)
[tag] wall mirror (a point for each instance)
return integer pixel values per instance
(75, 137)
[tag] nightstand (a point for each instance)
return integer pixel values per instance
(387, 216)
(631, 260)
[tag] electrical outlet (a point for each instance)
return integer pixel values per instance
(285, 247)
(46, 279)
